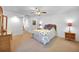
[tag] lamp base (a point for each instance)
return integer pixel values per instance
(69, 30)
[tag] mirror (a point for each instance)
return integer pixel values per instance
(3, 22)
(0, 22)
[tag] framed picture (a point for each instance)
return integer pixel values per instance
(34, 22)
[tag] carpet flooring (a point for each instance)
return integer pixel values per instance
(25, 43)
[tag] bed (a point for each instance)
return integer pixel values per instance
(45, 35)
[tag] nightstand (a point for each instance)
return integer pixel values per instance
(70, 36)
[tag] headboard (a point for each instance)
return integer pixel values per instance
(49, 26)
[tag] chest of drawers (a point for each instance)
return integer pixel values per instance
(5, 42)
(70, 36)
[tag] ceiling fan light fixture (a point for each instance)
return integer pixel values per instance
(38, 13)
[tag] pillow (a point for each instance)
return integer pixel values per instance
(48, 26)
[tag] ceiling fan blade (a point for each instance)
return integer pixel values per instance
(44, 12)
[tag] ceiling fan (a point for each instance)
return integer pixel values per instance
(38, 12)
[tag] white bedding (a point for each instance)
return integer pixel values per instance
(43, 35)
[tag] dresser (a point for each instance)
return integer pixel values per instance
(70, 36)
(5, 43)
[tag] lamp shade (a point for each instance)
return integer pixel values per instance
(69, 24)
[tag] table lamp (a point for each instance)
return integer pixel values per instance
(69, 25)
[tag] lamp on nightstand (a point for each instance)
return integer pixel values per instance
(69, 25)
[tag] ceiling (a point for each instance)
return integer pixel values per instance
(51, 10)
